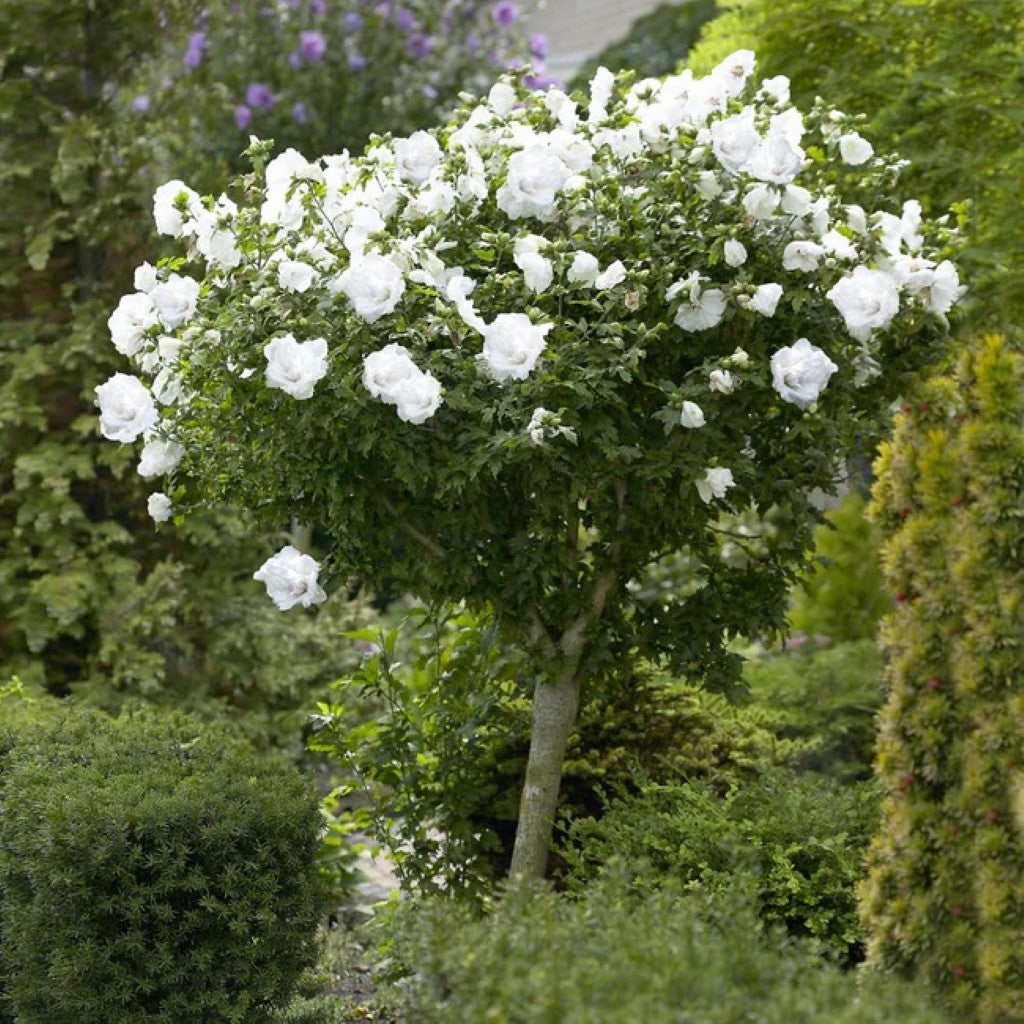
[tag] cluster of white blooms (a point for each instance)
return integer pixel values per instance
(526, 222)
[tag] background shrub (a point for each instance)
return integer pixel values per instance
(945, 893)
(826, 700)
(543, 959)
(153, 871)
(943, 81)
(656, 43)
(792, 843)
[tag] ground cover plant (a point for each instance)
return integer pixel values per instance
(514, 361)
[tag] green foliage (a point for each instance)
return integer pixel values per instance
(92, 600)
(656, 43)
(153, 870)
(945, 894)
(438, 771)
(540, 958)
(793, 843)
(843, 596)
(943, 79)
(827, 700)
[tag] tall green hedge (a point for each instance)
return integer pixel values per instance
(152, 871)
(944, 82)
(945, 894)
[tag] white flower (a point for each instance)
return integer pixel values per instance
(600, 93)
(295, 366)
(796, 200)
(159, 457)
(291, 578)
(295, 276)
(765, 299)
(721, 381)
(535, 177)
(537, 270)
(417, 156)
(704, 309)
(735, 253)
(217, 244)
(613, 274)
(715, 483)
(802, 256)
(854, 149)
(777, 88)
(502, 98)
(944, 290)
(535, 428)
(734, 71)
(512, 346)
(176, 300)
(127, 409)
(385, 371)
(708, 185)
(134, 315)
(837, 244)
(145, 279)
(169, 220)
(867, 300)
(373, 284)
(417, 397)
(775, 159)
(910, 225)
(692, 415)
(733, 140)
(159, 507)
(800, 372)
(760, 202)
(856, 219)
(584, 269)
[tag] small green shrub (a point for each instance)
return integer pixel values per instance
(843, 596)
(153, 871)
(438, 774)
(793, 843)
(827, 700)
(656, 43)
(540, 958)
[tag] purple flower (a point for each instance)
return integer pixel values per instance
(258, 95)
(194, 53)
(384, 9)
(295, 60)
(353, 22)
(418, 45)
(312, 45)
(430, 92)
(300, 113)
(356, 61)
(539, 45)
(505, 13)
(405, 20)
(317, 7)
(243, 115)
(236, 8)
(539, 81)
(141, 103)
(472, 43)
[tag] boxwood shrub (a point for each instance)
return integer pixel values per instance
(152, 871)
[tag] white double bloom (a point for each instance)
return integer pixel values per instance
(295, 367)
(800, 372)
(291, 579)
(391, 375)
(512, 346)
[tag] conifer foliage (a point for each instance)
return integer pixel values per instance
(945, 892)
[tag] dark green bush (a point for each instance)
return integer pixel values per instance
(656, 43)
(794, 843)
(153, 871)
(612, 959)
(827, 700)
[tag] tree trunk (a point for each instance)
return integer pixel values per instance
(554, 713)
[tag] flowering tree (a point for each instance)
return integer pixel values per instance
(516, 360)
(321, 74)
